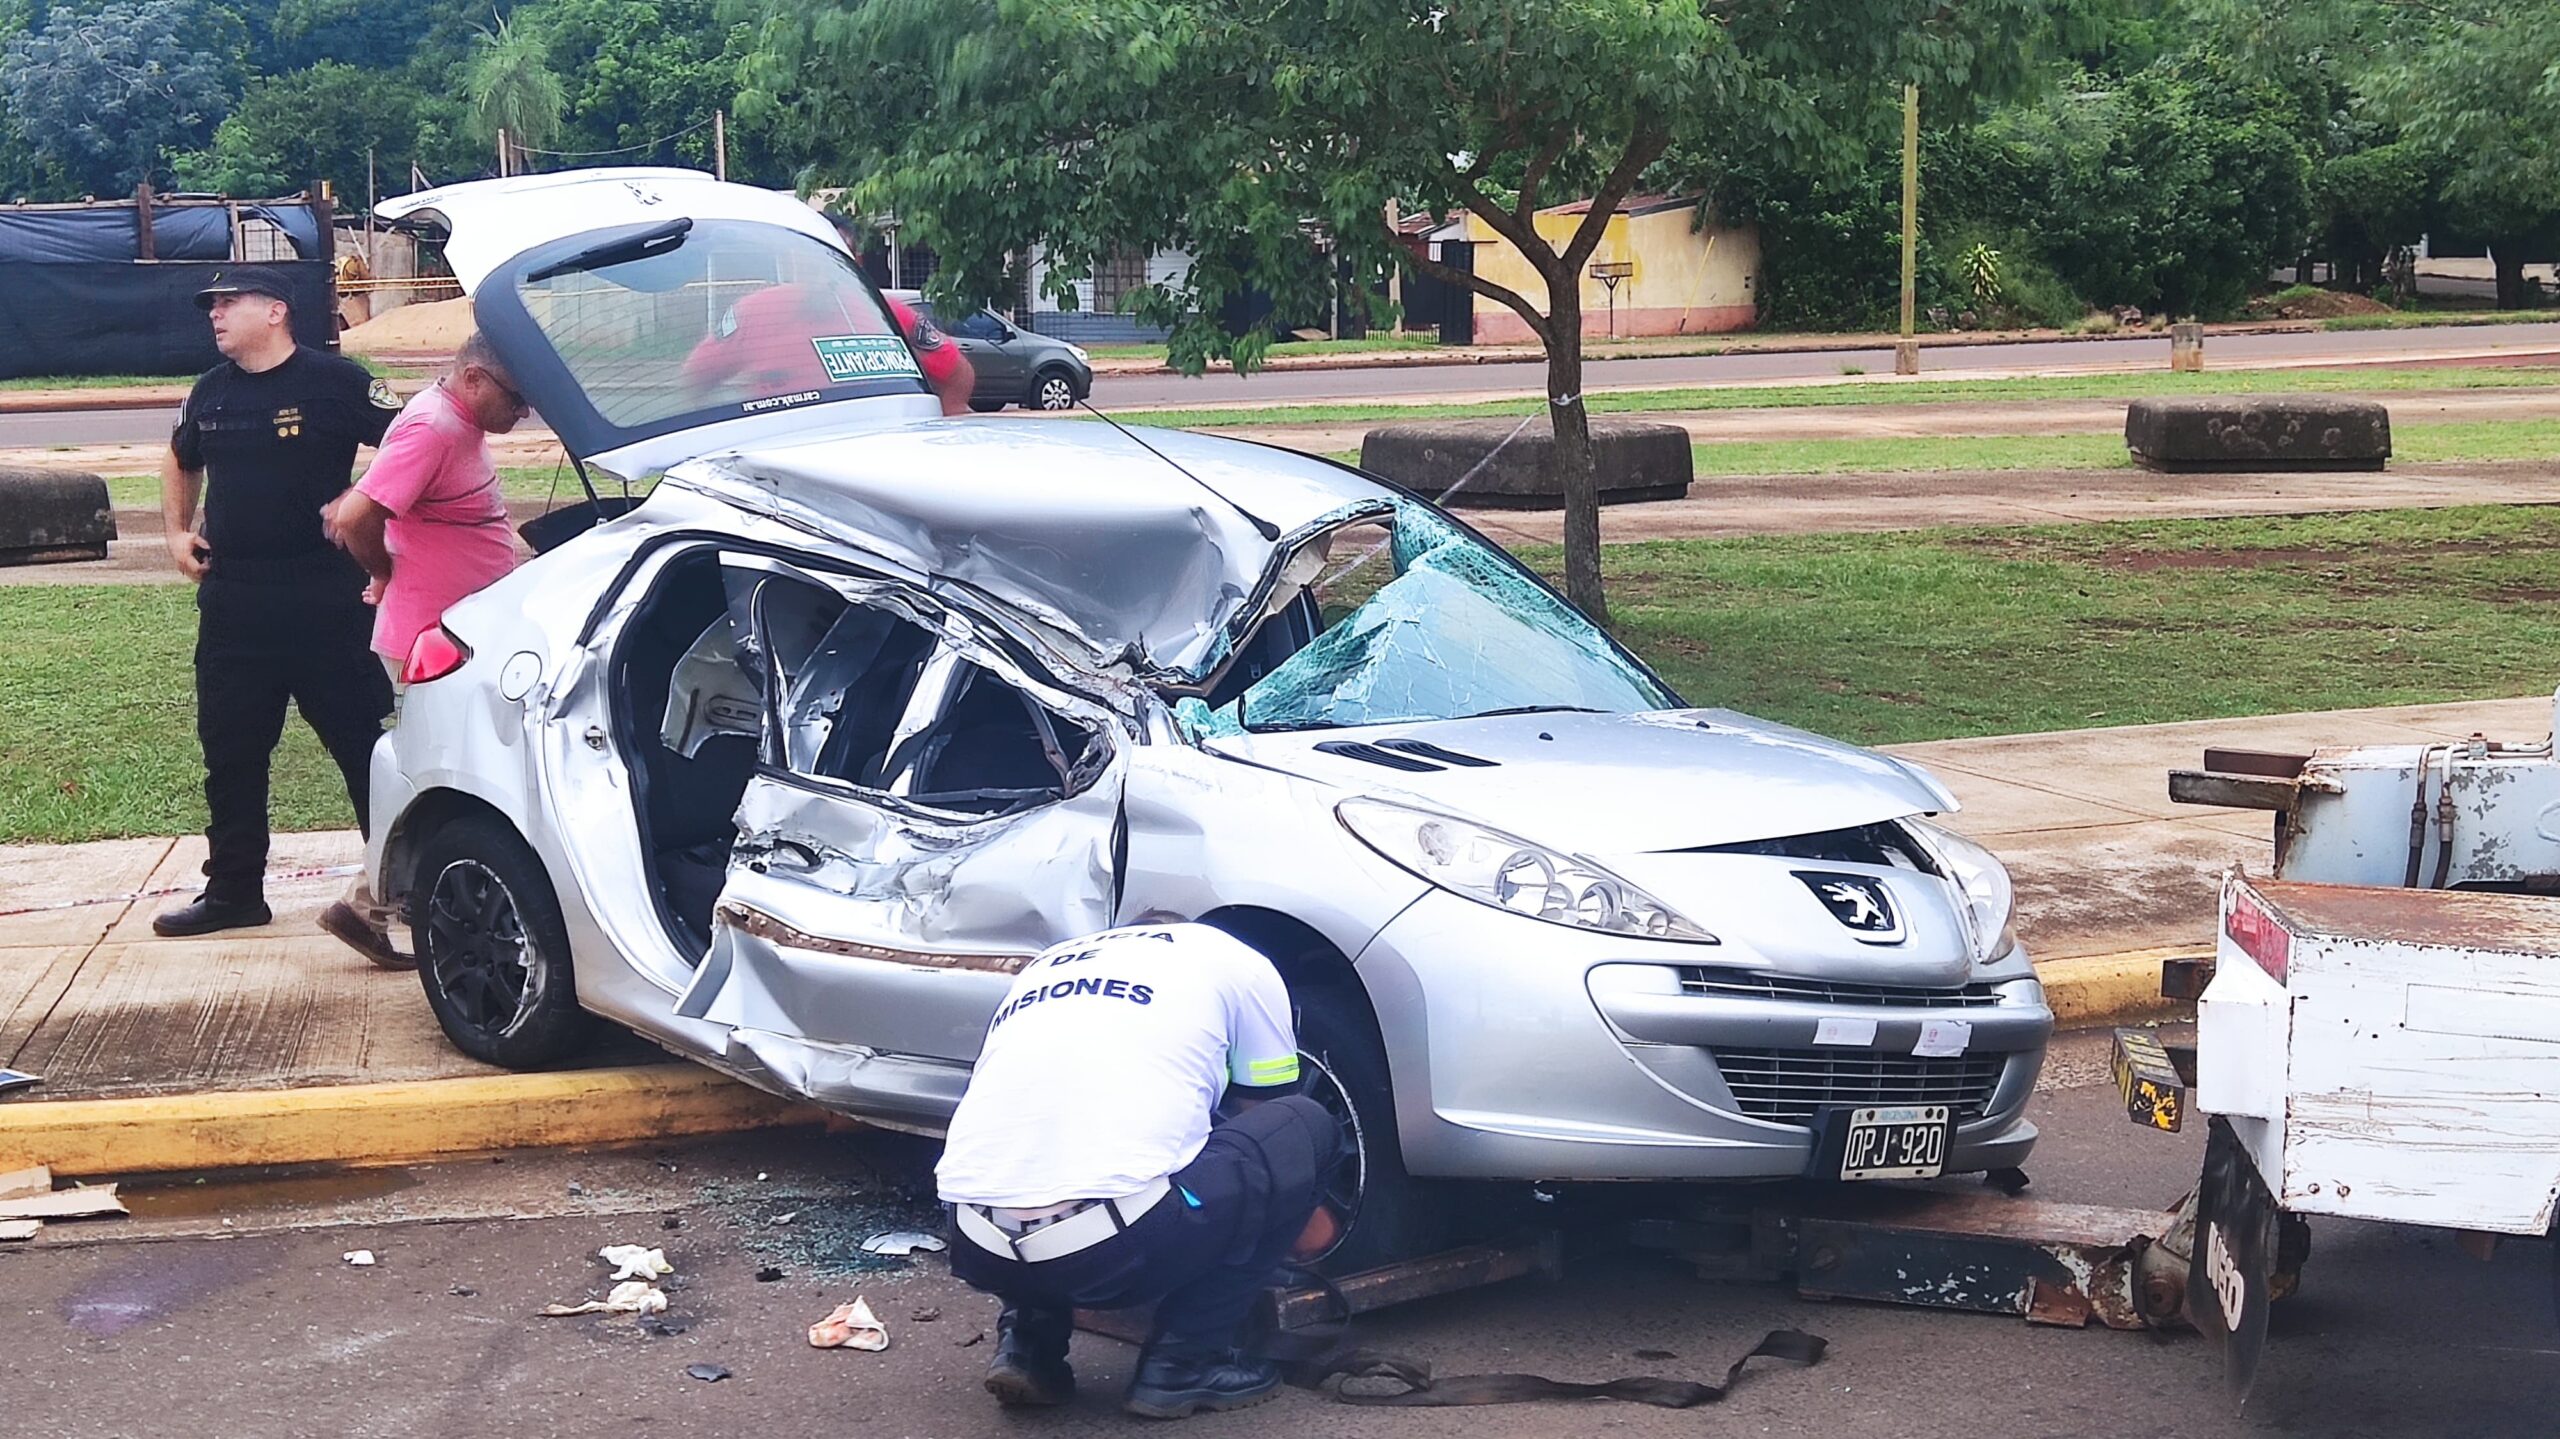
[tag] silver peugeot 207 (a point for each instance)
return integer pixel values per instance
(791, 765)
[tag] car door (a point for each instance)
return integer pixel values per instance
(989, 343)
(919, 826)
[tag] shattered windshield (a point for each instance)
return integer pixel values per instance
(1415, 619)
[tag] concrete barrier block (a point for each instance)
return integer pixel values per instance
(50, 516)
(2258, 432)
(1501, 464)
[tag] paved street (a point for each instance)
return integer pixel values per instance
(245, 1311)
(1467, 382)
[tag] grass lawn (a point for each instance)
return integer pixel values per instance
(1932, 634)
(2429, 319)
(2368, 379)
(2461, 440)
(129, 492)
(1920, 634)
(97, 720)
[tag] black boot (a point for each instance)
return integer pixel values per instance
(206, 914)
(1175, 1380)
(1030, 1363)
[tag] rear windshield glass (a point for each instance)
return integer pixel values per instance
(735, 315)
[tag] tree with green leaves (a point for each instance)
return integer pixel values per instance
(1248, 137)
(269, 145)
(636, 72)
(512, 89)
(2469, 86)
(103, 95)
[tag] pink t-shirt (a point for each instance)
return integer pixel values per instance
(448, 532)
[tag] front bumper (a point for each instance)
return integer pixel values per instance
(1528, 1050)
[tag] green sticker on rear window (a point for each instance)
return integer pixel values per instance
(865, 357)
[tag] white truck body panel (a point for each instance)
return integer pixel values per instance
(2408, 1067)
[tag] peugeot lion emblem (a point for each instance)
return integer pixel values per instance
(1862, 904)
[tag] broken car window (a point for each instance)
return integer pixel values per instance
(870, 699)
(1425, 623)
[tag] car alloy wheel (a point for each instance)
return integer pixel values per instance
(493, 954)
(475, 941)
(1054, 391)
(1342, 1186)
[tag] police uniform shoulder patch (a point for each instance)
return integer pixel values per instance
(380, 396)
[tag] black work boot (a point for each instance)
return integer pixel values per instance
(1030, 1363)
(205, 914)
(1176, 1380)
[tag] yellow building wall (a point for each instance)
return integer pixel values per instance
(1684, 281)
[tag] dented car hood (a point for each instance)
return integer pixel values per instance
(1604, 784)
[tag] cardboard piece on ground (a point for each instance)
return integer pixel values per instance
(38, 1180)
(64, 1204)
(13, 1229)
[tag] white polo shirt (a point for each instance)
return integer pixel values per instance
(1101, 1067)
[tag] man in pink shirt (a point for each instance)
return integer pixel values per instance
(429, 524)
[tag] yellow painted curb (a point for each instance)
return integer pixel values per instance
(2103, 989)
(385, 1123)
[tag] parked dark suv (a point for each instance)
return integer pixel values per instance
(1015, 366)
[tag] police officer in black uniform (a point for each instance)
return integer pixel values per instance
(268, 437)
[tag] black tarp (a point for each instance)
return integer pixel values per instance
(178, 232)
(105, 318)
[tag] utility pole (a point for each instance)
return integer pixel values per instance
(1906, 351)
(372, 197)
(503, 170)
(720, 144)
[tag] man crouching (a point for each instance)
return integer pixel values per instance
(1132, 1135)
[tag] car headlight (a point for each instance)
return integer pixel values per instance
(1494, 868)
(1979, 876)
(1081, 356)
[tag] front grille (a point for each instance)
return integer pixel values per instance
(1698, 980)
(1786, 1086)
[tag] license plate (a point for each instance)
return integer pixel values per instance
(1907, 1141)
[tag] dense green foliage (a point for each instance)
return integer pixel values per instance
(260, 97)
(2177, 151)
(2162, 154)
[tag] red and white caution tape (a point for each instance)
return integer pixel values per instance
(276, 876)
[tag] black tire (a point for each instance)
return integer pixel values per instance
(986, 407)
(1388, 1214)
(1051, 389)
(493, 955)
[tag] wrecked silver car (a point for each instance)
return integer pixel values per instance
(793, 765)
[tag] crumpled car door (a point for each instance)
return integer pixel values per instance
(888, 906)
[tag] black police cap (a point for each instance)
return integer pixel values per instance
(245, 280)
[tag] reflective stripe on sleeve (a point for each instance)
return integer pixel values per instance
(1264, 1073)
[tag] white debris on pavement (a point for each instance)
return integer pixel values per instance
(360, 1258)
(902, 1241)
(634, 1296)
(851, 1326)
(635, 1261)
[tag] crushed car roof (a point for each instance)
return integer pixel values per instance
(1143, 548)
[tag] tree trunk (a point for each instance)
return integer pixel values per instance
(1575, 469)
(2509, 259)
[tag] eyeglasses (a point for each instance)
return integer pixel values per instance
(513, 398)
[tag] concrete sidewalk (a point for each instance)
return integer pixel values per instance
(2107, 872)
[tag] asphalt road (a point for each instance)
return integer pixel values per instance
(98, 427)
(243, 1316)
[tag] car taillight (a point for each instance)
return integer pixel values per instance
(2258, 935)
(435, 654)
